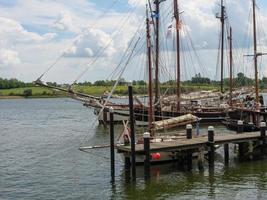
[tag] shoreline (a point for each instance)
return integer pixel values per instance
(31, 97)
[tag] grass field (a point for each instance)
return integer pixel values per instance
(97, 90)
(36, 91)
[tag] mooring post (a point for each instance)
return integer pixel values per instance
(263, 136)
(226, 154)
(200, 159)
(112, 154)
(189, 151)
(131, 107)
(105, 118)
(146, 137)
(240, 129)
(211, 145)
(127, 167)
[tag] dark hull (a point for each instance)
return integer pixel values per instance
(249, 116)
(232, 125)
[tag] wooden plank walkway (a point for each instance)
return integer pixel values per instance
(184, 144)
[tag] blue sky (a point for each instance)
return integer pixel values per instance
(34, 33)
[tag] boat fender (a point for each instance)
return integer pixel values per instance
(155, 156)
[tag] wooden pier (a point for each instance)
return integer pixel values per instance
(194, 143)
(182, 149)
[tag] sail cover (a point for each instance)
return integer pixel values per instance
(176, 121)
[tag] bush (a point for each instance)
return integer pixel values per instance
(27, 92)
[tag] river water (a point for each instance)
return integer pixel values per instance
(39, 159)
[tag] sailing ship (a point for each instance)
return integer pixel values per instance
(200, 105)
(252, 111)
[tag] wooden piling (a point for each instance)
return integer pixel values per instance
(189, 151)
(200, 159)
(263, 135)
(211, 146)
(133, 164)
(240, 128)
(127, 167)
(146, 137)
(112, 154)
(226, 154)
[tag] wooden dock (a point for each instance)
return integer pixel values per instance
(185, 144)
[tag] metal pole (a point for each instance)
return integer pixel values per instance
(146, 137)
(112, 155)
(131, 107)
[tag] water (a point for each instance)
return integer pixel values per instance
(39, 159)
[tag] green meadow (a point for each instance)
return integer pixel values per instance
(41, 92)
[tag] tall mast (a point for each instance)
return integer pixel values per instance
(255, 51)
(150, 78)
(157, 13)
(178, 68)
(231, 66)
(222, 41)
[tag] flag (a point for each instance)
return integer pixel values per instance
(155, 14)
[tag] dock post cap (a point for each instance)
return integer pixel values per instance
(146, 135)
(239, 122)
(130, 83)
(189, 126)
(111, 110)
(263, 124)
(211, 128)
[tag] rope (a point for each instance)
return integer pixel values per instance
(115, 85)
(101, 50)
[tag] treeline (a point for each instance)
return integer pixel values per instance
(13, 83)
(111, 83)
(239, 81)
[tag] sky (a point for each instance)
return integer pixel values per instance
(35, 33)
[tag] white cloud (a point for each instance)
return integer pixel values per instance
(9, 57)
(65, 22)
(89, 44)
(139, 3)
(12, 32)
(25, 27)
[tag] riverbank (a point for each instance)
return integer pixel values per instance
(41, 92)
(120, 92)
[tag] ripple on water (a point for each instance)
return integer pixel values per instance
(39, 159)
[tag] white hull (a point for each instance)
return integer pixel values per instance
(119, 115)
